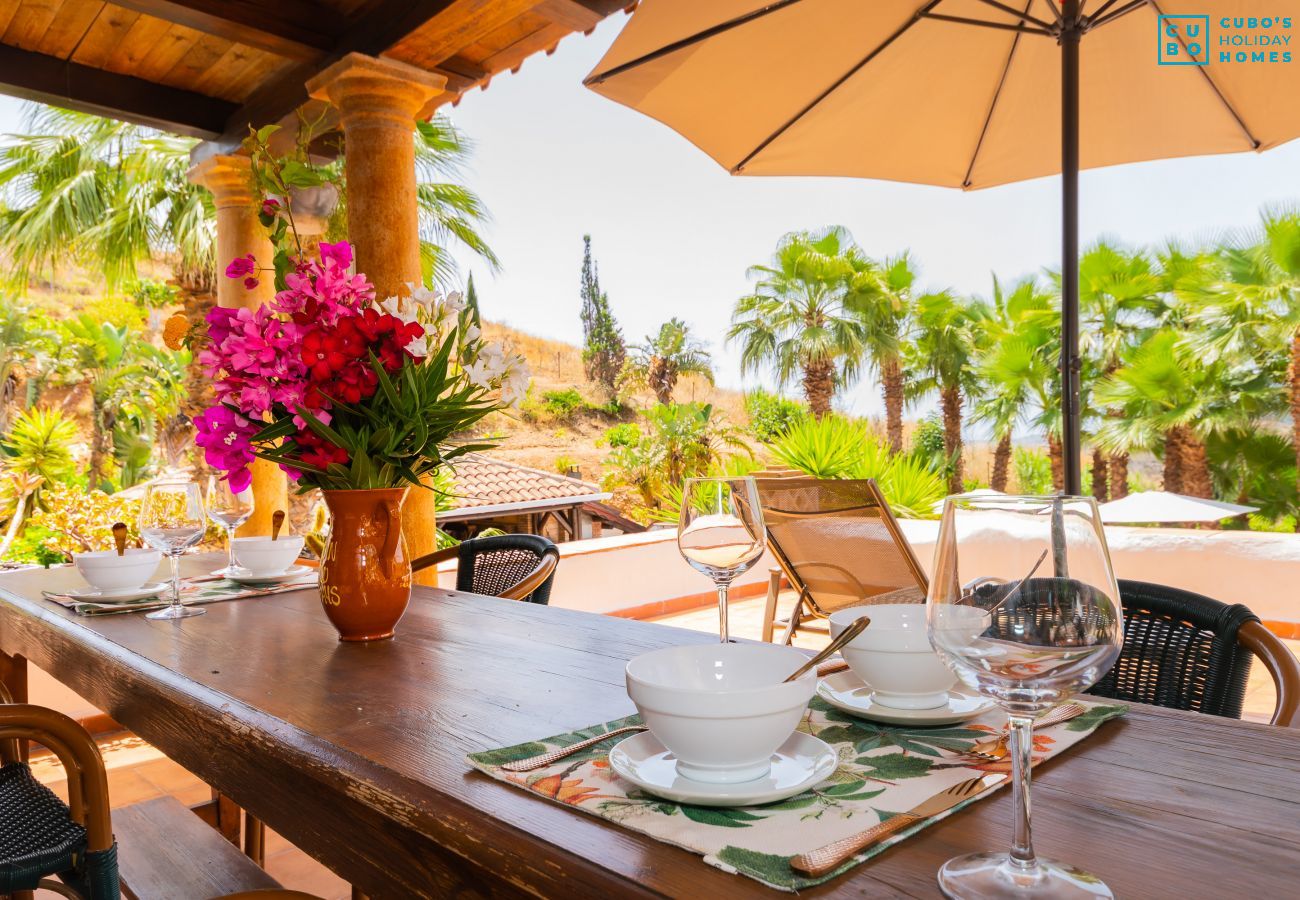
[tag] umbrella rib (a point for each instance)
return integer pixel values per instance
(1096, 20)
(1254, 143)
(1022, 16)
(899, 32)
(1003, 26)
(1015, 42)
(693, 39)
(1102, 11)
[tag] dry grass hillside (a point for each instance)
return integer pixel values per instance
(535, 438)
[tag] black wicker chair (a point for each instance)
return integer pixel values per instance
(1186, 651)
(41, 837)
(513, 566)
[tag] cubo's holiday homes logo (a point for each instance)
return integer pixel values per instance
(1187, 40)
(1184, 41)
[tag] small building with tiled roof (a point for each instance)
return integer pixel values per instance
(493, 493)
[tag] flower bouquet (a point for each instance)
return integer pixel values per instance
(358, 397)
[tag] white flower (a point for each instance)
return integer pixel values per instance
(472, 334)
(419, 347)
(423, 297)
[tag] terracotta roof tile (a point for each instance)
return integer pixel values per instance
(483, 481)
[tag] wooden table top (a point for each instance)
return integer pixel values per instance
(356, 754)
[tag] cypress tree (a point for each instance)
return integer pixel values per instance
(603, 349)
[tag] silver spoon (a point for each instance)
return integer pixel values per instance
(845, 636)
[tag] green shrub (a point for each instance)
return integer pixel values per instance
(562, 404)
(823, 448)
(771, 415)
(1033, 471)
(564, 463)
(927, 440)
(626, 434)
(152, 294)
(834, 447)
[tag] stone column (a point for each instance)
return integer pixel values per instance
(378, 102)
(228, 179)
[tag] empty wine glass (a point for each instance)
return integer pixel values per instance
(172, 520)
(721, 532)
(1024, 608)
(229, 509)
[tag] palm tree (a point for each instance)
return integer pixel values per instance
(942, 357)
(1015, 366)
(665, 356)
(1119, 294)
(450, 213)
(1247, 302)
(104, 193)
(802, 320)
(1171, 399)
(36, 452)
(884, 303)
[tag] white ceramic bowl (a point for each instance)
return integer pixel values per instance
(894, 657)
(721, 709)
(263, 556)
(106, 571)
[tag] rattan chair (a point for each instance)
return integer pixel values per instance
(838, 544)
(513, 566)
(1186, 651)
(43, 838)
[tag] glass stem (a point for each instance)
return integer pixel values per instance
(230, 549)
(1022, 748)
(722, 612)
(175, 560)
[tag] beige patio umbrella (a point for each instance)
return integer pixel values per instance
(963, 93)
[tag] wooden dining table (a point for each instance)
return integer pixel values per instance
(356, 753)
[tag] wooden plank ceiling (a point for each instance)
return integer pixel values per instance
(210, 68)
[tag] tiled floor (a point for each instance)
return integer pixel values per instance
(138, 772)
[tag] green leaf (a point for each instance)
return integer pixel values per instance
(298, 174)
(264, 133)
(893, 766)
(722, 817)
(1095, 716)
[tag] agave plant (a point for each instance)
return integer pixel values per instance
(834, 447)
(822, 448)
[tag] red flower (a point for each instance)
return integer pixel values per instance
(323, 354)
(270, 206)
(250, 282)
(315, 451)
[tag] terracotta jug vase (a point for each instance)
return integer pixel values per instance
(365, 575)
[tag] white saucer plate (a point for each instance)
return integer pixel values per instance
(243, 576)
(91, 595)
(798, 764)
(847, 692)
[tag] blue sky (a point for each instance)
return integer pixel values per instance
(673, 233)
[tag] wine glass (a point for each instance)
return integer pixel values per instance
(1024, 608)
(172, 520)
(721, 532)
(229, 509)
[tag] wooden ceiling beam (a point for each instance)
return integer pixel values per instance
(288, 28)
(46, 79)
(385, 23)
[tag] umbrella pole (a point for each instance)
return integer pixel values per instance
(1071, 429)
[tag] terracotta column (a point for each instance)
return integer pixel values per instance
(239, 233)
(378, 102)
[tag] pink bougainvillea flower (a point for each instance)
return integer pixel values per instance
(270, 206)
(340, 253)
(226, 439)
(241, 266)
(250, 282)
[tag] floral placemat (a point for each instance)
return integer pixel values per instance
(883, 770)
(214, 589)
